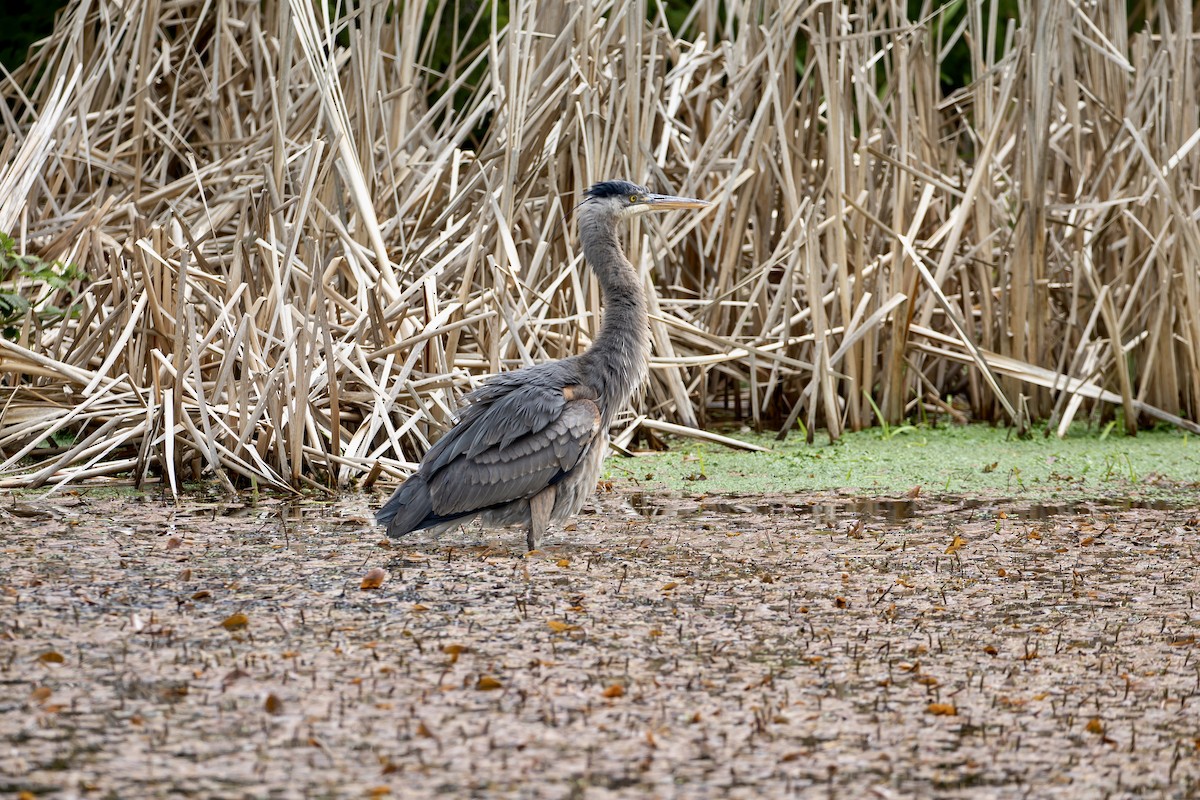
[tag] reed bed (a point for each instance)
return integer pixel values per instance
(306, 233)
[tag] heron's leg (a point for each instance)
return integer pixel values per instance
(540, 506)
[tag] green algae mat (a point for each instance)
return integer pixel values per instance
(946, 460)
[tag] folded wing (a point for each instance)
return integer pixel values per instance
(514, 439)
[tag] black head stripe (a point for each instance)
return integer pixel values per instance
(616, 189)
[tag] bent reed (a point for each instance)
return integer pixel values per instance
(305, 237)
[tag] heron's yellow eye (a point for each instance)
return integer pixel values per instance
(633, 198)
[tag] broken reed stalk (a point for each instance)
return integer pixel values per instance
(305, 237)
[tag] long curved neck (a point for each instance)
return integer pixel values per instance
(618, 359)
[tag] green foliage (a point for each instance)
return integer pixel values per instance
(31, 270)
(25, 21)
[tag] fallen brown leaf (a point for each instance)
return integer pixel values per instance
(374, 578)
(235, 622)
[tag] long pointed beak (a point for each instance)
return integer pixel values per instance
(665, 202)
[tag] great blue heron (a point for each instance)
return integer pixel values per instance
(527, 448)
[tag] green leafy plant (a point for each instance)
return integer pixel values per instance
(21, 270)
(886, 431)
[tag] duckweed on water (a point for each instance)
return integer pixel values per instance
(961, 459)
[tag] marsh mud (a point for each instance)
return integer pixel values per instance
(661, 646)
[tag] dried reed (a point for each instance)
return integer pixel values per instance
(305, 236)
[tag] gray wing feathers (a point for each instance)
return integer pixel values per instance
(519, 433)
(407, 507)
(499, 412)
(507, 460)
(514, 416)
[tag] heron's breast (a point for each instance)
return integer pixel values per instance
(575, 489)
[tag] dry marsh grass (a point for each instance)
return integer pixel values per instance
(306, 236)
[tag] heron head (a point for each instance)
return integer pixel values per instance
(624, 199)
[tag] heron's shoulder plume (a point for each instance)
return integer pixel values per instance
(615, 189)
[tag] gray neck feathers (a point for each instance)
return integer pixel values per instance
(616, 363)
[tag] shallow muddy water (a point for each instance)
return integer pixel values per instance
(885, 510)
(661, 646)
